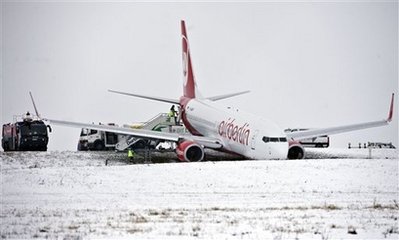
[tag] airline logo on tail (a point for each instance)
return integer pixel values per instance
(185, 68)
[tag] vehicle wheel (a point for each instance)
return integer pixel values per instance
(5, 146)
(99, 146)
(81, 147)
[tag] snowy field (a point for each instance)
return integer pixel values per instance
(74, 195)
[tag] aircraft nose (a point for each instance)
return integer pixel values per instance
(280, 152)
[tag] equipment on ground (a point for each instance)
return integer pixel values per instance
(26, 133)
(381, 145)
(91, 139)
(314, 142)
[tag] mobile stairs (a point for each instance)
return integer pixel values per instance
(161, 120)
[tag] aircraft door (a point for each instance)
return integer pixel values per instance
(253, 140)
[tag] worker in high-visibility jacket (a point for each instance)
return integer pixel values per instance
(173, 114)
(130, 154)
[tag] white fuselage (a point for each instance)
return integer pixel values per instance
(240, 132)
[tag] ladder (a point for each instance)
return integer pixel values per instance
(158, 119)
(127, 141)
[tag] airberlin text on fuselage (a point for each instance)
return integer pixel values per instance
(230, 130)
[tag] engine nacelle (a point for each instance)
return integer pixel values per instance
(295, 150)
(190, 151)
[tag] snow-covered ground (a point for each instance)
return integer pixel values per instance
(376, 153)
(74, 195)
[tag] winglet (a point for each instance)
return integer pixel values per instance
(390, 115)
(34, 105)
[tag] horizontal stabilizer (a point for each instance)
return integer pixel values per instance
(159, 99)
(220, 97)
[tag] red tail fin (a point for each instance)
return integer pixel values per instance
(188, 74)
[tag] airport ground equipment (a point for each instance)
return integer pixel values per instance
(100, 140)
(315, 142)
(26, 133)
(97, 140)
(372, 145)
(381, 145)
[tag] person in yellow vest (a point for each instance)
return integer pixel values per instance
(173, 114)
(130, 154)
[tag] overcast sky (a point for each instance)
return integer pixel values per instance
(306, 64)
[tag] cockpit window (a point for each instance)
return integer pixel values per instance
(274, 139)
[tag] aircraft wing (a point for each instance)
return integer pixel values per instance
(207, 142)
(341, 129)
(299, 135)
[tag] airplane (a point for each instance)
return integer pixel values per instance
(217, 127)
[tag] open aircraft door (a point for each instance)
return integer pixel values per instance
(253, 140)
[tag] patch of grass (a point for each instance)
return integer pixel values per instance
(302, 208)
(73, 227)
(352, 230)
(44, 230)
(376, 205)
(299, 230)
(133, 230)
(326, 206)
(140, 219)
(153, 212)
(379, 206)
(332, 207)
(183, 213)
(391, 230)
(132, 214)
(223, 209)
(196, 228)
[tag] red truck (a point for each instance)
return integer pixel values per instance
(27, 134)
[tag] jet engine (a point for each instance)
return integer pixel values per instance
(295, 150)
(190, 151)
